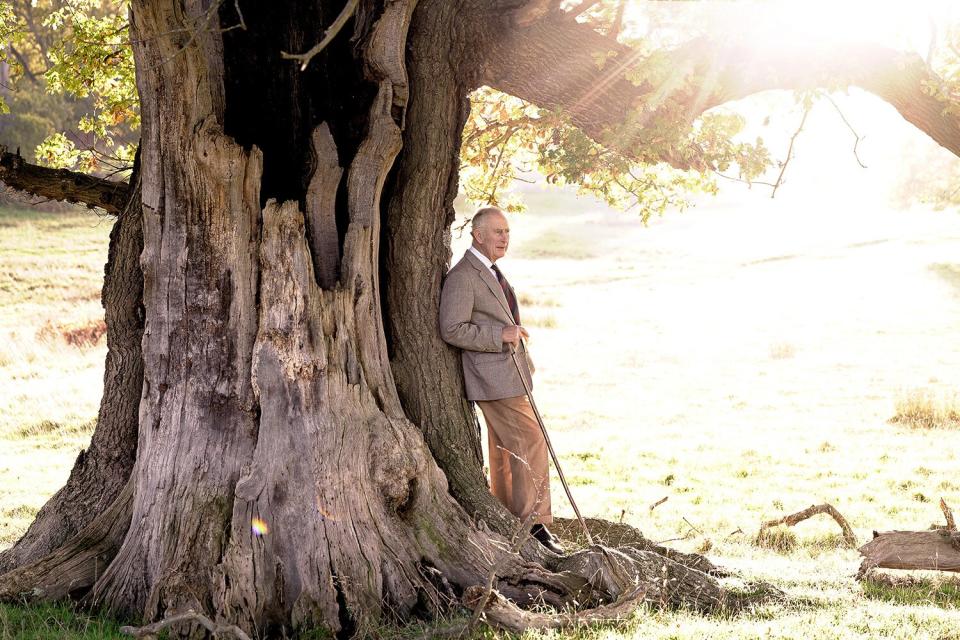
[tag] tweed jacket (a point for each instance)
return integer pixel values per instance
(473, 312)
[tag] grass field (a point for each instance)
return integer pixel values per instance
(743, 363)
(51, 353)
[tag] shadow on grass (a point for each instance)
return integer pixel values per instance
(913, 590)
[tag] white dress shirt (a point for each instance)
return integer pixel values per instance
(485, 260)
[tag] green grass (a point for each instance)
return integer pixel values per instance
(54, 622)
(917, 591)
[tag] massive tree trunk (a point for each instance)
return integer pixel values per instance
(278, 483)
(420, 212)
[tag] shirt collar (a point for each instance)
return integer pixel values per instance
(482, 258)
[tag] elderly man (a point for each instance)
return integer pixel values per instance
(479, 314)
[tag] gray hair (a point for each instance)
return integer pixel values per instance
(479, 218)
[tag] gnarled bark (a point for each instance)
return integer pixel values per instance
(417, 253)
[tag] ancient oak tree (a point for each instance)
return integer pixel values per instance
(284, 367)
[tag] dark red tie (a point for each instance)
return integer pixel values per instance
(508, 292)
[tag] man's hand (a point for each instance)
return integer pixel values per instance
(512, 335)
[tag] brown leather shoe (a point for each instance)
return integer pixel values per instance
(547, 539)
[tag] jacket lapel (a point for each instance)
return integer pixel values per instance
(491, 281)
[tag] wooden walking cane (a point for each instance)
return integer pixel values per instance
(553, 454)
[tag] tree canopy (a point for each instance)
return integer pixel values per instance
(71, 102)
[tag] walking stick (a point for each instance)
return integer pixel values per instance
(553, 454)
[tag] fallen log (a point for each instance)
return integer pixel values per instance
(930, 550)
(934, 550)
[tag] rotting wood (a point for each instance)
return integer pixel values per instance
(934, 550)
(800, 516)
(321, 207)
(917, 550)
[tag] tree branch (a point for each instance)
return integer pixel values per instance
(328, 36)
(856, 136)
(61, 184)
(793, 140)
(848, 535)
(592, 89)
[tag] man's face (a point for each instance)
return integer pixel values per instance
(493, 237)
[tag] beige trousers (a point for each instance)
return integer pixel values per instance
(519, 476)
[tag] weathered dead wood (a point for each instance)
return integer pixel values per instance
(503, 614)
(800, 516)
(929, 550)
(321, 207)
(150, 631)
(61, 184)
(659, 502)
(631, 578)
(519, 537)
(668, 583)
(948, 515)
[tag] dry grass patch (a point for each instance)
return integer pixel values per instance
(84, 333)
(778, 539)
(926, 409)
(528, 300)
(782, 351)
(542, 320)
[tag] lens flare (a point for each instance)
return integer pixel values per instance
(259, 527)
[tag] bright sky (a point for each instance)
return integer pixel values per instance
(895, 22)
(824, 164)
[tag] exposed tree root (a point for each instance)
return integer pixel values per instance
(630, 578)
(150, 631)
(73, 569)
(619, 534)
(800, 516)
(504, 614)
